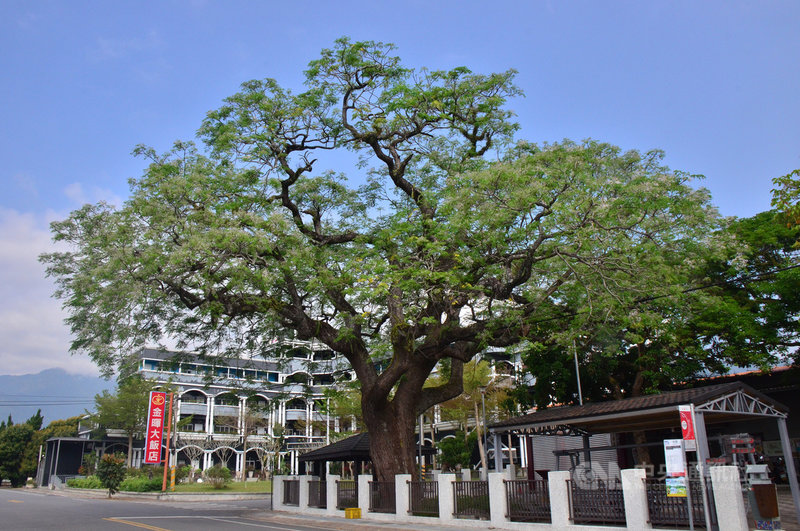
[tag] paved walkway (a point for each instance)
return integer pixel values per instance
(787, 510)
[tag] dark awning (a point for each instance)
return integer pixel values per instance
(353, 448)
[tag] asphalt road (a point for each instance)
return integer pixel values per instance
(25, 509)
(42, 509)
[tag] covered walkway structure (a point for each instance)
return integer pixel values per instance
(715, 404)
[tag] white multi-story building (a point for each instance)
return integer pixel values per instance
(242, 412)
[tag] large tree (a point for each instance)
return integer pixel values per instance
(431, 252)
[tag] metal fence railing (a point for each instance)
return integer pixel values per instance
(317, 494)
(423, 498)
(528, 501)
(382, 497)
(471, 499)
(291, 492)
(346, 494)
(599, 504)
(668, 511)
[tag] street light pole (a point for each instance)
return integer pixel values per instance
(485, 433)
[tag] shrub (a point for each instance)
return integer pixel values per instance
(183, 472)
(111, 471)
(146, 471)
(218, 476)
(141, 484)
(91, 482)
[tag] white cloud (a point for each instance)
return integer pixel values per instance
(32, 334)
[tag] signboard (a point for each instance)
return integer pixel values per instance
(155, 427)
(687, 426)
(676, 487)
(675, 462)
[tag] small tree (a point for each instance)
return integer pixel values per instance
(111, 472)
(125, 410)
(218, 476)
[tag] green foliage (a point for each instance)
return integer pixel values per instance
(89, 482)
(218, 476)
(14, 444)
(111, 472)
(141, 484)
(456, 451)
(786, 197)
(36, 420)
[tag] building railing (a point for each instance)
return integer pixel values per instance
(382, 497)
(423, 498)
(471, 499)
(291, 492)
(528, 501)
(317, 494)
(599, 503)
(346, 494)
(673, 511)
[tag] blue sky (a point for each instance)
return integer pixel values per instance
(714, 84)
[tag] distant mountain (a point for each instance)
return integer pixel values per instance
(56, 392)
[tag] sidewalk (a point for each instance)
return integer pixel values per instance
(341, 524)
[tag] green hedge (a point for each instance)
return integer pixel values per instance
(141, 484)
(91, 482)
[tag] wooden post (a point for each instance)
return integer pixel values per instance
(166, 452)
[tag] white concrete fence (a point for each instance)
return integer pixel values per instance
(725, 480)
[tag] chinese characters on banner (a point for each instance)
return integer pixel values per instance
(155, 427)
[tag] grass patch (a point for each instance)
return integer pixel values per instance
(236, 486)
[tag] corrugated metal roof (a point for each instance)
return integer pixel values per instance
(641, 412)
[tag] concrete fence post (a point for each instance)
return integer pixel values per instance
(401, 494)
(363, 492)
(446, 503)
(302, 502)
(497, 499)
(331, 493)
(728, 498)
(277, 491)
(466, 474)
(559, 498)
(634, 494)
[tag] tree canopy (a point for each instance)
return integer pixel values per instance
(430, 252)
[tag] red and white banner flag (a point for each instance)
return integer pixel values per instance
(155, 427)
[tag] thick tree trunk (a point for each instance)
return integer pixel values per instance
(391, 438)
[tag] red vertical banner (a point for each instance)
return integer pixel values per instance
(155, 427)
(687, 426)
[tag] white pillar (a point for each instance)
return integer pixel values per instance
(363, 492)
(401, 494)
(635, 496)
(446, 507)
(497, 499)
(466, 474)
(330, 492)
(241, 420)
(559, 499)
(277, 492)
(210, 416)
(303, 502)
(728, 498)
